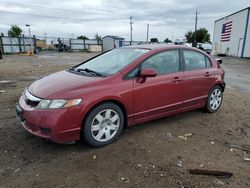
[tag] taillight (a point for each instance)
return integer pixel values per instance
(219, 62)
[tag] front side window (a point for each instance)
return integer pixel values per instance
(113, 61)
(164, 63)
(194, 60)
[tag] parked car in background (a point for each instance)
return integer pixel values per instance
(206, 47)
(96, 99)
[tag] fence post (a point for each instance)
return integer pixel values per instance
(24, 46)
(34, 41)
(84, 44)
(19, 44)
(102, 45)
(70, 47)
(1, 43)
(11, 44)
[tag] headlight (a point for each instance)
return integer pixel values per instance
(58, 103)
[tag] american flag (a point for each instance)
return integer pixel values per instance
(226, 31)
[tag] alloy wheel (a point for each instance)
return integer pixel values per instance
(105, 125)
(215, 99)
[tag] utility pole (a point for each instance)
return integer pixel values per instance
(45, 37)
(131, 28)
(147, 31)
(195, 28)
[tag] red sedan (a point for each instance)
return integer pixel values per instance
(122, 87)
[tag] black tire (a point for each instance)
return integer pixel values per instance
(91, 117)
(210, 106)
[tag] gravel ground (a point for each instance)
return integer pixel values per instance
(147, 155)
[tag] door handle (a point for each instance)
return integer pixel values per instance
(208, 74)
(177, 79)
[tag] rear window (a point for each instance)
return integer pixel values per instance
(194, 60)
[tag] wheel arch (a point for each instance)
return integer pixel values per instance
(221, 84)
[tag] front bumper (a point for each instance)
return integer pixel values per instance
(58, 125)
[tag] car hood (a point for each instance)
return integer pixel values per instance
(58, 82)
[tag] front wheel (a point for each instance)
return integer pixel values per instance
(214, 99)
(103, 124)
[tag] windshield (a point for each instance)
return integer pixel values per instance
(112, 61)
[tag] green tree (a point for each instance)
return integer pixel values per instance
(83, 37)
(98, 38)
(2, 34)
(189, 36)
(154, 40)
(15, 31)
(201, 36)
(167, 40)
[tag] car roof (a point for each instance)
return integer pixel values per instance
(157, 46)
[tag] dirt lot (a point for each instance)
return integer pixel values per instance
(148, 155)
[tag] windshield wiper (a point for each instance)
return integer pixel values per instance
(90, 71)
(72, 69)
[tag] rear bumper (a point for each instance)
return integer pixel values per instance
(60, 125)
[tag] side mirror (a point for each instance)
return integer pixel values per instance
(149, 72)
(219, 61)
(144, 73)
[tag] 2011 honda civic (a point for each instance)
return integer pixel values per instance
(96, 99)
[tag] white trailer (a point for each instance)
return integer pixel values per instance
(110, 42)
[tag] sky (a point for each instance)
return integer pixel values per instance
(71, 18)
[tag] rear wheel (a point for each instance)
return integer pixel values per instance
(103, 124)
(214, 99)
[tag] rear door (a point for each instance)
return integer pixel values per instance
(198, 76)
(162, 93)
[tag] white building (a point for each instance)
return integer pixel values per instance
(232, 34)
(110, 42)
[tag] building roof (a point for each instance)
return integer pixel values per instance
(232, 14)
(112, 36)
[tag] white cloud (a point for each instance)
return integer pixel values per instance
(167, 18)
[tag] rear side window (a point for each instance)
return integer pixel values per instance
(164, 62)
(194, 60)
